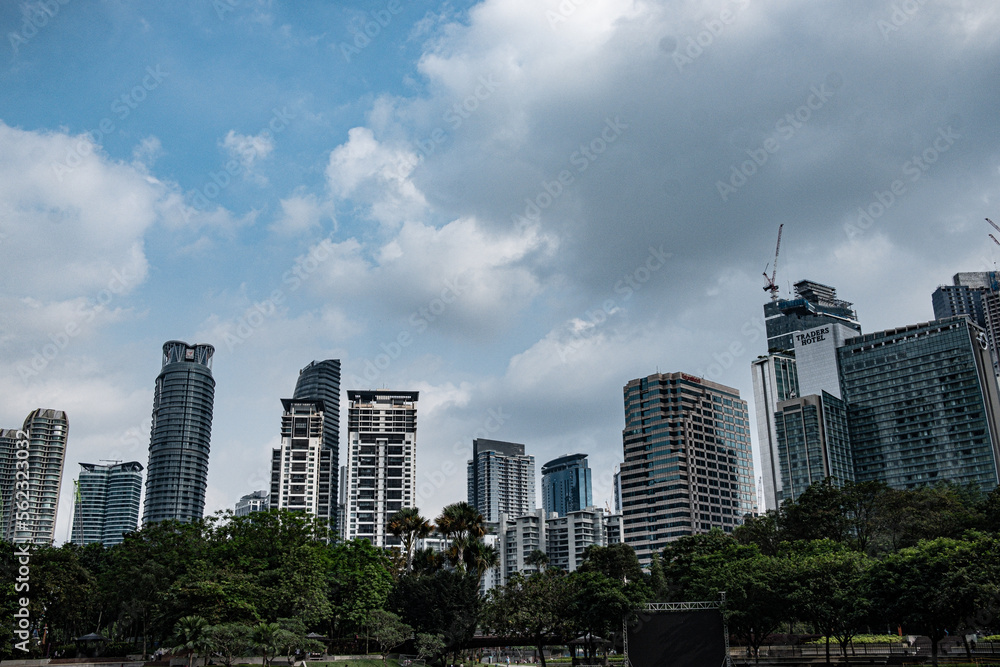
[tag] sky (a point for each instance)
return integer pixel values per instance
(513, 207)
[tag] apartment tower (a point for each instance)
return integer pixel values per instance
(181, 433)
(501, 479)
(382, 437)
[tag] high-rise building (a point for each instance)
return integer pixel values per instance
(342, 496)
(813, 305)
(107, 502)
(977, 295)
(302, 465)
(520, 536)
(923, 405)
(566, 485)
(501, 479)
(688, 465)
(43, 437)
(257, 501)
(181, 433)
(813, 443)
(382, 436)
(320, 380)
(774, 381)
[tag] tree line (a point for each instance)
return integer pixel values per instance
(833, 563)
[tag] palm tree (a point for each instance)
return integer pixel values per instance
(409, 526)
(464, 525)
(482, 557)
(265, 639)
(537, 558)
(193, 633)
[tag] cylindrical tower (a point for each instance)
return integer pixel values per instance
(177, 474)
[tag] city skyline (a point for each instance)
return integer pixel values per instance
(510, 206)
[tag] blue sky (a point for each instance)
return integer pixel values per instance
(520, 204)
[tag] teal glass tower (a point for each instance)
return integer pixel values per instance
(566, 485)
(922, 405)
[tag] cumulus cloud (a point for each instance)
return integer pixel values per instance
(302, 213)
(248, 150)
(377, 176)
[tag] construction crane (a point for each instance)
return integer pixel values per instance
(772, 286)
(996, 227)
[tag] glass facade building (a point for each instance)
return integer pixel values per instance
(813, 443)
(688, 466)
(320, 380)
(181, 433)
(774, 380)
(107, 502)
(566, 485)
(922, 405)
(813, 305)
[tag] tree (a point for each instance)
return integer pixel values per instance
(599, 605)
(445, 603)
(427, 561)
(429, 646)
(761, 531)
(266, 639)
(537, 559)
(756, 598)
(862, 505)
(409, 526)
(657, 580)
(694, 565)
(830, 592)
(359, 580)
(615, 561)
(192, 634)
(932, 587)
(463, 524)
(231, 641)
(481, 558)
(532, 608)
(388, 631)
(818, 512)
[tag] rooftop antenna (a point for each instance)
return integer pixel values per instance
(772, 286)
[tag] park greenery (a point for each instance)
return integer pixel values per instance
(836, 564)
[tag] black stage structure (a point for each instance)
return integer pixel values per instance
(678, 634)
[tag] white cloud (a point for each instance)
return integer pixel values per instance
(301, 213)
(376, 175)
(248, 150)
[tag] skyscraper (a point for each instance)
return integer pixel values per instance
(774, 381)
(382, 436)
(501, 479)
(32, 519)
(814, 304)
(320, 381)
(923, 405)
(688, 466)
(107, 502)
(811, 325)
(180, 436)
(976, 294)
(813, 443)
(566, 485)
(302, 466)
